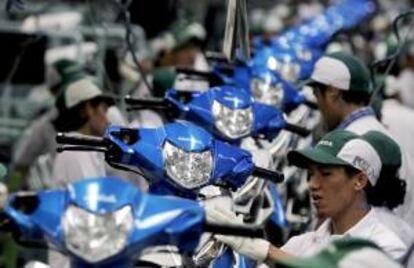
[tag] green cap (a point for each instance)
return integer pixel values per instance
(68, 70)
(164, 78)
(3, 171)
(184, 32)
(341, 148)
(343, 71)
(325, 152)
(388, 150)
(343, 253)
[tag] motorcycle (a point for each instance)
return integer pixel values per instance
(177, 159)
(108, 222)
(294, 52)
(229, 112)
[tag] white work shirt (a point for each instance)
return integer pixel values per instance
(37, 139)
(399, 119)
(71, 166)
(369, 227)
(406, 82)
(367, 123)
(400, 227)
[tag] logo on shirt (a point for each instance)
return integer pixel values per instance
(325, 143)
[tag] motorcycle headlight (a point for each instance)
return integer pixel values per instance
(233, 123)
(290, 71)
(188, 169)
(96, 237)
(266, 93)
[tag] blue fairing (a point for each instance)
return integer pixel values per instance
(157, 220)
(45, 220)
(268, 121)
(231, 165)
(232, 97)
(292, 98)
(188, 137)
(145, 154)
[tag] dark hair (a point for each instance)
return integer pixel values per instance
(389, 191)
(74, 118)
(356, 96)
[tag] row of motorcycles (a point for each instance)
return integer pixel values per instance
(224, 145)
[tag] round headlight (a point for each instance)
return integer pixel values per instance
(96, 237)
(233, 123)
(188, 169)
(266, 93)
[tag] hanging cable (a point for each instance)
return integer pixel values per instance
(393, 58)
(123, 6)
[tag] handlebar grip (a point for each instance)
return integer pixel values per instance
(245, 231)
(217, 56)
(76, 139)
(274, 176)
(143, 102)
(301, 131)
(190, 71)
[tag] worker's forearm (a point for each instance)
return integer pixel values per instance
(274, 254)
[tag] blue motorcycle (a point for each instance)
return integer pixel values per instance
(177, 159)
(262, 77)
(107, 222)
(229, 112)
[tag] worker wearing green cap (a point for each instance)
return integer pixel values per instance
(342, 169)
(341, 84)
(39, 138)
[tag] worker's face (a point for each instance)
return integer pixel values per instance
(186, 57)
(98, 120)
(328, 105)
(332, 191)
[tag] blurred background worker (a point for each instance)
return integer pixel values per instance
(83, 110)
(34, 153)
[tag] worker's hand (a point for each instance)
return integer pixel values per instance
(254, 248)
(4, 194)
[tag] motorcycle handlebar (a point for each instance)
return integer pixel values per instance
(270, 175)
(245, 231)
(190, 71)
(144, 102)
(216, 56)
(82, 140)
(301, 131)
